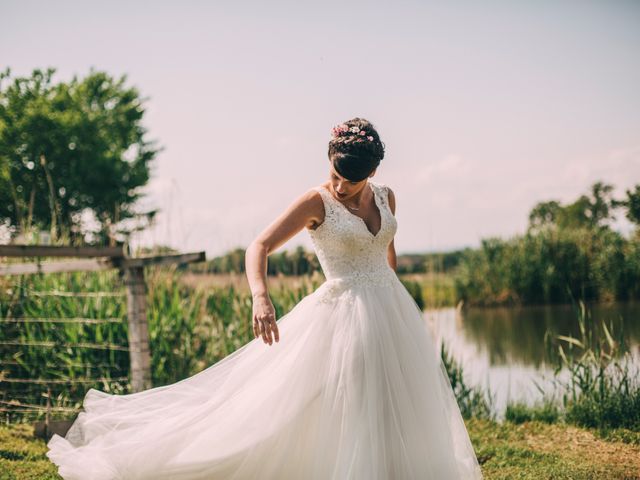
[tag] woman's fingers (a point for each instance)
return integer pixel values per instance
(265, 326)
(274, 327)
(268, 329)
(256, 327)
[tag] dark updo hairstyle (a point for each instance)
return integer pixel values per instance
(355, 156)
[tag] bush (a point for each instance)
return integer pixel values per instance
(544, 411)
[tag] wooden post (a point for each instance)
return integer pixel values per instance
(139, 355)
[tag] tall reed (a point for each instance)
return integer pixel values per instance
(603, 388)
(473, 401)
(190, 329)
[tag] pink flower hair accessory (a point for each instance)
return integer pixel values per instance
(343, 129)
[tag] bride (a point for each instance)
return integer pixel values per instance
(348, 385)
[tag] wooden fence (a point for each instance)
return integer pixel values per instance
(91, 258)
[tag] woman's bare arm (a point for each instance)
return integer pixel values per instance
(391, 250)
(300, 213)
(305, 210)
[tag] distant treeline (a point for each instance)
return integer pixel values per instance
(302, 262)
(296, 262)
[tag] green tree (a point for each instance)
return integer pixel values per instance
(576, 214)
(72, 149)
(544, 214)
(588, 211)
(632, 204)
(601, 204)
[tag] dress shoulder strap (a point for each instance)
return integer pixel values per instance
(327, 199)
(382, 191)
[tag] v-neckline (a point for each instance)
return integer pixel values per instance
(375, 201)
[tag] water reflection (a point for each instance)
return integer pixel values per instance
(503, 350)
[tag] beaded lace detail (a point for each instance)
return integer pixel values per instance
(349, 254)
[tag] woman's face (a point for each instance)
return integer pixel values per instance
(344, 188)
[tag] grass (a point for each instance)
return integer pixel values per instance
(506, 450)
(536, 450)
(22, 457)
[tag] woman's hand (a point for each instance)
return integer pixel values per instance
(264, 319)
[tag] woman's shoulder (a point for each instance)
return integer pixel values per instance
(318, 192)
(311, 200)
(319, 188)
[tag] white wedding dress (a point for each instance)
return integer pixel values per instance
(354, 390)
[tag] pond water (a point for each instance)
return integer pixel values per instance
(503, 349)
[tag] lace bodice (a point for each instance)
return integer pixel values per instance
(348, 252)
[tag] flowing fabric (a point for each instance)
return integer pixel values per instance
(354, 390)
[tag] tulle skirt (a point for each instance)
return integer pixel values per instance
(355, 389)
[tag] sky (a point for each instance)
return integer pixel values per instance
(485, 108)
